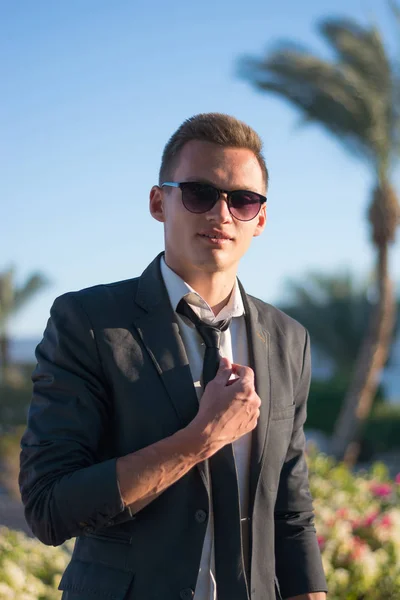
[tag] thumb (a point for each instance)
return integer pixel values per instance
(224, 371)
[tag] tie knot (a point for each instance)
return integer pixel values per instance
(211, 333)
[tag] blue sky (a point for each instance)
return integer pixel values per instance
(92, 90)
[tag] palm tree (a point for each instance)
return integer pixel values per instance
(356, 98)
(334, 308)
(12, 299)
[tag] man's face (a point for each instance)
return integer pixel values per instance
(186, 247)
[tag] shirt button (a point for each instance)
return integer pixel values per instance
(110, 522)
(186, 594)
(200, 516)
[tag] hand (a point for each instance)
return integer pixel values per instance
(228, 409)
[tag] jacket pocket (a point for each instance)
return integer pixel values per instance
(87, 580)
(280, 432)
(120, 538)
(281, 414)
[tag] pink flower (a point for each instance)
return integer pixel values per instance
(359, 548)
(397, 479)
(381, 489)
(321, 541)
(370, 519)
(386, 521)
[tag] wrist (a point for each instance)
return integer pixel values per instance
(196, 439)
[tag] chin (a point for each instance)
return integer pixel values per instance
(216, 263)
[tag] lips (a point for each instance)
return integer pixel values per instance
(215, 235)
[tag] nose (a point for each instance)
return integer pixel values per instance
(220, 211)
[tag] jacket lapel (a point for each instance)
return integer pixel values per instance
(259, 346)
(159, 331)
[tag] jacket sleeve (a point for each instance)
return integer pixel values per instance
(298, 559)
(65, 487)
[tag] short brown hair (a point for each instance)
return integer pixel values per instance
(216, 128)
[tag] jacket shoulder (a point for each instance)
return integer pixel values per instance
(97, 299)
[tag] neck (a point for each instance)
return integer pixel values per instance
(214, 287)
(216, 291)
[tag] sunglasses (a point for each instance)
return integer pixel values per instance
(201, 197)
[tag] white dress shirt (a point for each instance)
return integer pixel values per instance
(234, 347)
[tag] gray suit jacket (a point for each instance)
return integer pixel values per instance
(113, 377)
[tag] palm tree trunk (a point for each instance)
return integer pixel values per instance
(4, 356)
(370, 362)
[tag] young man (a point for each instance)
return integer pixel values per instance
(166, 426)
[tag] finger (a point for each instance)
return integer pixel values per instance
(242, 371)
(231, 381)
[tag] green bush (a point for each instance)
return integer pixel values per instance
(30, 570)
(357, 518)
(15, 397)
(14, 403)
(9, 459)
(325, 401)
(382, 429)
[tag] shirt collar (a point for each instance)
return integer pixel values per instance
(177, 289)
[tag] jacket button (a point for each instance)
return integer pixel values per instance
(110, 522)
(200, 516)
(186, 594)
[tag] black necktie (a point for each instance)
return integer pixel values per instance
(229, 567)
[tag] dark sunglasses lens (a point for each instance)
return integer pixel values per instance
(198, 197)
(245, 205)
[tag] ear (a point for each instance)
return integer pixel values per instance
(156, 204)
(261, 221)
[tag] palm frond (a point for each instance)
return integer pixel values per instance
(361, 49)
(25, 293)
(323, 92)
(395, 9)
(355, 97)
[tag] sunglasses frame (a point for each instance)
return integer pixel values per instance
(220, 191)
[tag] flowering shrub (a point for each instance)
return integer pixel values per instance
(30, 570)
(358, 526)
(357, 522)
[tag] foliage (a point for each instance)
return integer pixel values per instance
(355, 97)
(325, 400)
(15, 397)
(358, 526)
(382, 430)
(357, 522)
(30, 570)
(14, 404)
(334, 308)
(9, 460)
(13, 297)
